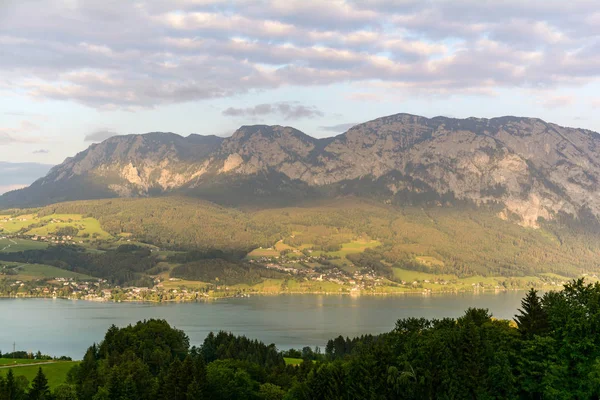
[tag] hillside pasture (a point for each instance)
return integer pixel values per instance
(56, 373)
(11, 245)
(29, 272)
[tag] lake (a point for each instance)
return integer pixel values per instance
(68, 327)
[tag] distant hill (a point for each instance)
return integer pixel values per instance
(532, 169)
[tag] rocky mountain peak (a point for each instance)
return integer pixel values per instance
(532, 168)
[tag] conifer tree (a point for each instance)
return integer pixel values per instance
(532, 318)
(39, 387)
(12, 389)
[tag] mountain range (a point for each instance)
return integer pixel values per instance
(531, 168)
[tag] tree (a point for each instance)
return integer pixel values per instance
(65, 392)
(532, 319)
(268, 391)
(39, 388)
(13, 390)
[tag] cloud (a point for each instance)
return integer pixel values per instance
(558, 101)
(188, 50)
(376, 97)
(340, 128)
(100, 135)
(287, 110)
(18, 134)
(41, 151)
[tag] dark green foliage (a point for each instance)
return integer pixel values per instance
(532, 319)
(12, 388)
(65, 392)
(223, 346)
(39, 387)
(223, 272)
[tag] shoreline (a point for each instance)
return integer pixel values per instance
(270, 294)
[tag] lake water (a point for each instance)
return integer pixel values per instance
(69, 327)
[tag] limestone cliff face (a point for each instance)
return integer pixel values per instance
(535, 169)
(134, 165)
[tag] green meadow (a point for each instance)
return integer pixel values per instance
(55, 372)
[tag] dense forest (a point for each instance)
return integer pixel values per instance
(550, 351)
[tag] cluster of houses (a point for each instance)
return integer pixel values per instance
(357, 280)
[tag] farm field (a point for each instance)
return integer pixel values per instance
(409, 275)
(32, 224)
(27, 272)
(13, 245)
(55, 372)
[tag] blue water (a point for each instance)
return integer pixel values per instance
(68, 327)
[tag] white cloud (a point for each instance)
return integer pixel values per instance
(557, 101)
(130, 55)
(287, 110)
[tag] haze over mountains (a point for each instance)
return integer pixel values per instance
(17, 175)
(532, 168)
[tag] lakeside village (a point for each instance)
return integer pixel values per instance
(303, 273)
(305, 280)
(298, 277)
(301, 280)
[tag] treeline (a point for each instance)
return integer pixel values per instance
(31, 356)
(123, 266)
(551, 352)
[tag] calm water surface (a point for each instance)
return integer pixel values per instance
(69, 327)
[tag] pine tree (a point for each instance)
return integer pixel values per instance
(11, 388)
(532, 319)
(39, 387)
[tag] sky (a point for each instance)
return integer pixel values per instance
(74, 72)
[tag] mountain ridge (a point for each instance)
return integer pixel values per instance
(535, 169)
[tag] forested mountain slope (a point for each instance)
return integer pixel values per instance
(463, 240)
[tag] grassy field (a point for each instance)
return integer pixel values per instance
(410, 276)
(429, 261)
(27, 272)
(292, 361)
(183, 283)
(15, 224)
(260, 252)
(14, 245)
(56, 373)
(51, 223)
